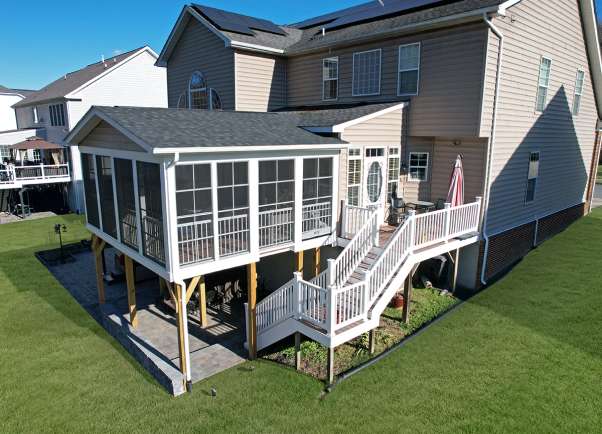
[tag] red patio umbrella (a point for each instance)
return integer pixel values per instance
(455, 192)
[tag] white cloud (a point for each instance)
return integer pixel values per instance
(116, 53)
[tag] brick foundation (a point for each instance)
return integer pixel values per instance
(508, 247)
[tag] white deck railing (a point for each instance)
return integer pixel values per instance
(34, 173)
(353, 218)
(195, 241)
(233, 234)
(275, 227)
(326, 303)
(316, 220)
(152, 236)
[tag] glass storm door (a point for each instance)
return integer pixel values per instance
(375, 187)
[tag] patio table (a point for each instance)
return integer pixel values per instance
(423, 205)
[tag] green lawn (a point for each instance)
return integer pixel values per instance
(523, 356)
(599, 175)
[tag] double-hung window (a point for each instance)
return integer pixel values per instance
(419, 162)
(194, 205)
(578, 91)
(409, 69)
(57, 115)
(544, 81)
(366, 73)
(330, 77)
(276, 201)
(532, 177)
(354, 176)
(393, 176)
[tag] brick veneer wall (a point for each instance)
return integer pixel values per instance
(508, 247)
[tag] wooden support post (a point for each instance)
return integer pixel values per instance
(316, 262)
(202, 302)
(131, 287)
(330, 365)
(454, 270)
(161, 286)
(180, 325)
(299, 263)
(97, 247)
(297, 351)
(407, 293)
(252, 294)
(372, 339)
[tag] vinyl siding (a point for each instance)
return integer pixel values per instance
(106, 136)
(8, 120)
(136, 82)
(382, 131)
(199, 49)
(551, 29)
(50, 133)
(451, 70)
(260, 81)
(416, 190)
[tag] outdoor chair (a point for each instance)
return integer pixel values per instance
(398, 207)
(440, 204)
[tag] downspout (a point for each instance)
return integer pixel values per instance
(176, 158)
(185, 327)
(491, 142)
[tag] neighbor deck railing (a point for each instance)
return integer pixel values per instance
(34, 173)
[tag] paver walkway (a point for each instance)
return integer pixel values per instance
(11, 218)
(217, 346)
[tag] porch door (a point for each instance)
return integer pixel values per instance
(374, 185)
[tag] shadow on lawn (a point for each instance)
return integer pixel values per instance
(555, 290)
(35, 277)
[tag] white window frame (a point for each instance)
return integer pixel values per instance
(578, 93)
(211, 99)
(191, 91)
(185, 95)
(36, 155)
(57, 115)
(358, 185)
(34, 112)
(426, 172)
(539, 86)
(380, 51)
(532, 177)
(399, 70)
(324, 80)
(391, 156)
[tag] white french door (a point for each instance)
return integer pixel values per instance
(374, 185)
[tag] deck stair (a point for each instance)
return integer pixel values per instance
(348, 297)
(4, 194)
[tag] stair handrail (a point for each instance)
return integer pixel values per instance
(268, 317)
(344, 265)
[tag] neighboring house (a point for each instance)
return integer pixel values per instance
(333, 116)
(8, 97)
(129, 79)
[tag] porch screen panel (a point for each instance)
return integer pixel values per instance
(233, 207)
(105, 192)
(89, 177)
(126, 202)
(317, 197)
(151, 211)
(276, 200)
(195, 213)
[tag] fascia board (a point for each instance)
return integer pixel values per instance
(215, 149)
(339, 128)
(111, 69)
(253, 47)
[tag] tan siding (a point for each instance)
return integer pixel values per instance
(384, 130)
(260, 81)
(416, 190)
(551, 29)
(106, 136)
(449, 96)
(199, 49)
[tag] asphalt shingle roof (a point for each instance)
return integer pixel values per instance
(183, 128)
(68, 83)
(335, 115)
(23, 92)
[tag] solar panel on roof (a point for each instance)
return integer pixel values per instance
(236, 22)
(333, 16)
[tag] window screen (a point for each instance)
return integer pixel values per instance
(330, 78)
(366, 73)
(276, 201)
(126, 202)
(194, 206)
(409, 68)
(317, 196)
(89, 178)
(151, 211)
(105, 192)
(233, 207)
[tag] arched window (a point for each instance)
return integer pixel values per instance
(183, 101)
(216, 101)
(198, 91)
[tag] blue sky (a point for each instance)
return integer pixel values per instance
(41, 41)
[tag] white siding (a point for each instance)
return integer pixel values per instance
(49, 133)
(551, 29)
(8, 120)
(137, 82)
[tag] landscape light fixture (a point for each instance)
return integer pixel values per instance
(57, 230)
